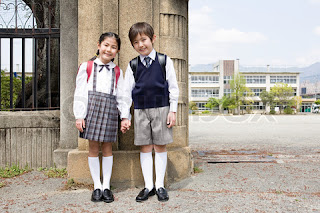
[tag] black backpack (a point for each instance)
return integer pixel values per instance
(162, 61)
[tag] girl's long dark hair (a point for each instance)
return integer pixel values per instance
(103, 37)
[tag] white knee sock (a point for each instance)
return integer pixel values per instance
(146, 162)
(107, 163)
(161, 165)
(94, 166)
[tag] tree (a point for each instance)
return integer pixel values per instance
(213, 102)
(238, 87)
(317, 102)
(41, 14)
(193, 105)
(297, 100)
(228, 102)
(267, 98)
(283, 94)
(5, 89)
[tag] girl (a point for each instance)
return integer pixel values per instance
(97, 100)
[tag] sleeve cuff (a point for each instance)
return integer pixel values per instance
(126, 115)
(173, 107)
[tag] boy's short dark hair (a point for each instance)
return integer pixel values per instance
(140, 28)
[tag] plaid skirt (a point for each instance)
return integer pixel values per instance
(102, 118)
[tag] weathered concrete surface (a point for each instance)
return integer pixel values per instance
(68, 72)
(126, 170)
(170, 21)
(29, 138)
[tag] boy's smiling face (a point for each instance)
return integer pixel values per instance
(143, 44)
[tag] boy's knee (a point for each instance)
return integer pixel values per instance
(160, 148)
(146, 148)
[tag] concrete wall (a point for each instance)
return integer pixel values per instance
(169, 19)
(29, 138)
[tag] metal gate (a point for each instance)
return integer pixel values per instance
(30, 34)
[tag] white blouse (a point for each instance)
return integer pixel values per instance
(170, 77)
(103, 84)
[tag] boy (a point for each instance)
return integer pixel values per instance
(151, 81)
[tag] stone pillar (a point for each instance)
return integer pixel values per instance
(68, 71)
(170, 21)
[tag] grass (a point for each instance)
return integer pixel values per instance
(197, 170)
(13, 171)
(53, 172)
(72, 185)
(2, 184)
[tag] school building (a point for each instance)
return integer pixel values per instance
(214, 81)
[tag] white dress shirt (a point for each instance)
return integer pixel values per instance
(170, 77)
(103, 84)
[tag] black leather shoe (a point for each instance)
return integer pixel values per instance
(96, 195)
(144, 194)
(107, 196)
(162, 194)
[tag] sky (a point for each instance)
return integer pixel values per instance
(257, 32)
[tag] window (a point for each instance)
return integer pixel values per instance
(257, 91)
(201, 106)
(207, 93)
(255, 79)
(227, 92)
(283, 79)
(205, 79)
(254, 106)
(226, 79)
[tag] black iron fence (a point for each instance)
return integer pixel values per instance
(34, 24)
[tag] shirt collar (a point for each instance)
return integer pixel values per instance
(152, 55)
(98, 62)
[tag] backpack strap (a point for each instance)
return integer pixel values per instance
(117, 71)
(89, 69)
(162, 58)
(134, 66)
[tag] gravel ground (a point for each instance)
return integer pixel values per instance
(290, 183)
(242, 187)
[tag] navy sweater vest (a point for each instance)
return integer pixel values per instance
(151, 89)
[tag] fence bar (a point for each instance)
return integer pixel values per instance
(11, 73)
(0, 76)
(30, 33)
(48, 89)
(59, 72)
(23, 86)
(35, 75)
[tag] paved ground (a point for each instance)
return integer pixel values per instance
(289, 182)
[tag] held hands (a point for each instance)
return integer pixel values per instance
(171, 119)
(125, 125)
(80, 124)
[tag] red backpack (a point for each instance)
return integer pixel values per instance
(89, 70)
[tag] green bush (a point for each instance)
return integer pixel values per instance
(12, 171)
(272, 112)
(288, 110)
(5, 89)
(206, 112)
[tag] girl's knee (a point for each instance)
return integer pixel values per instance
(106, 149)
(94, 147)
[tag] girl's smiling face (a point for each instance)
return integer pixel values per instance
(108, 49)
(143, 44)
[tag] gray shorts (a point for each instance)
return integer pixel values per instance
(150, 127)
